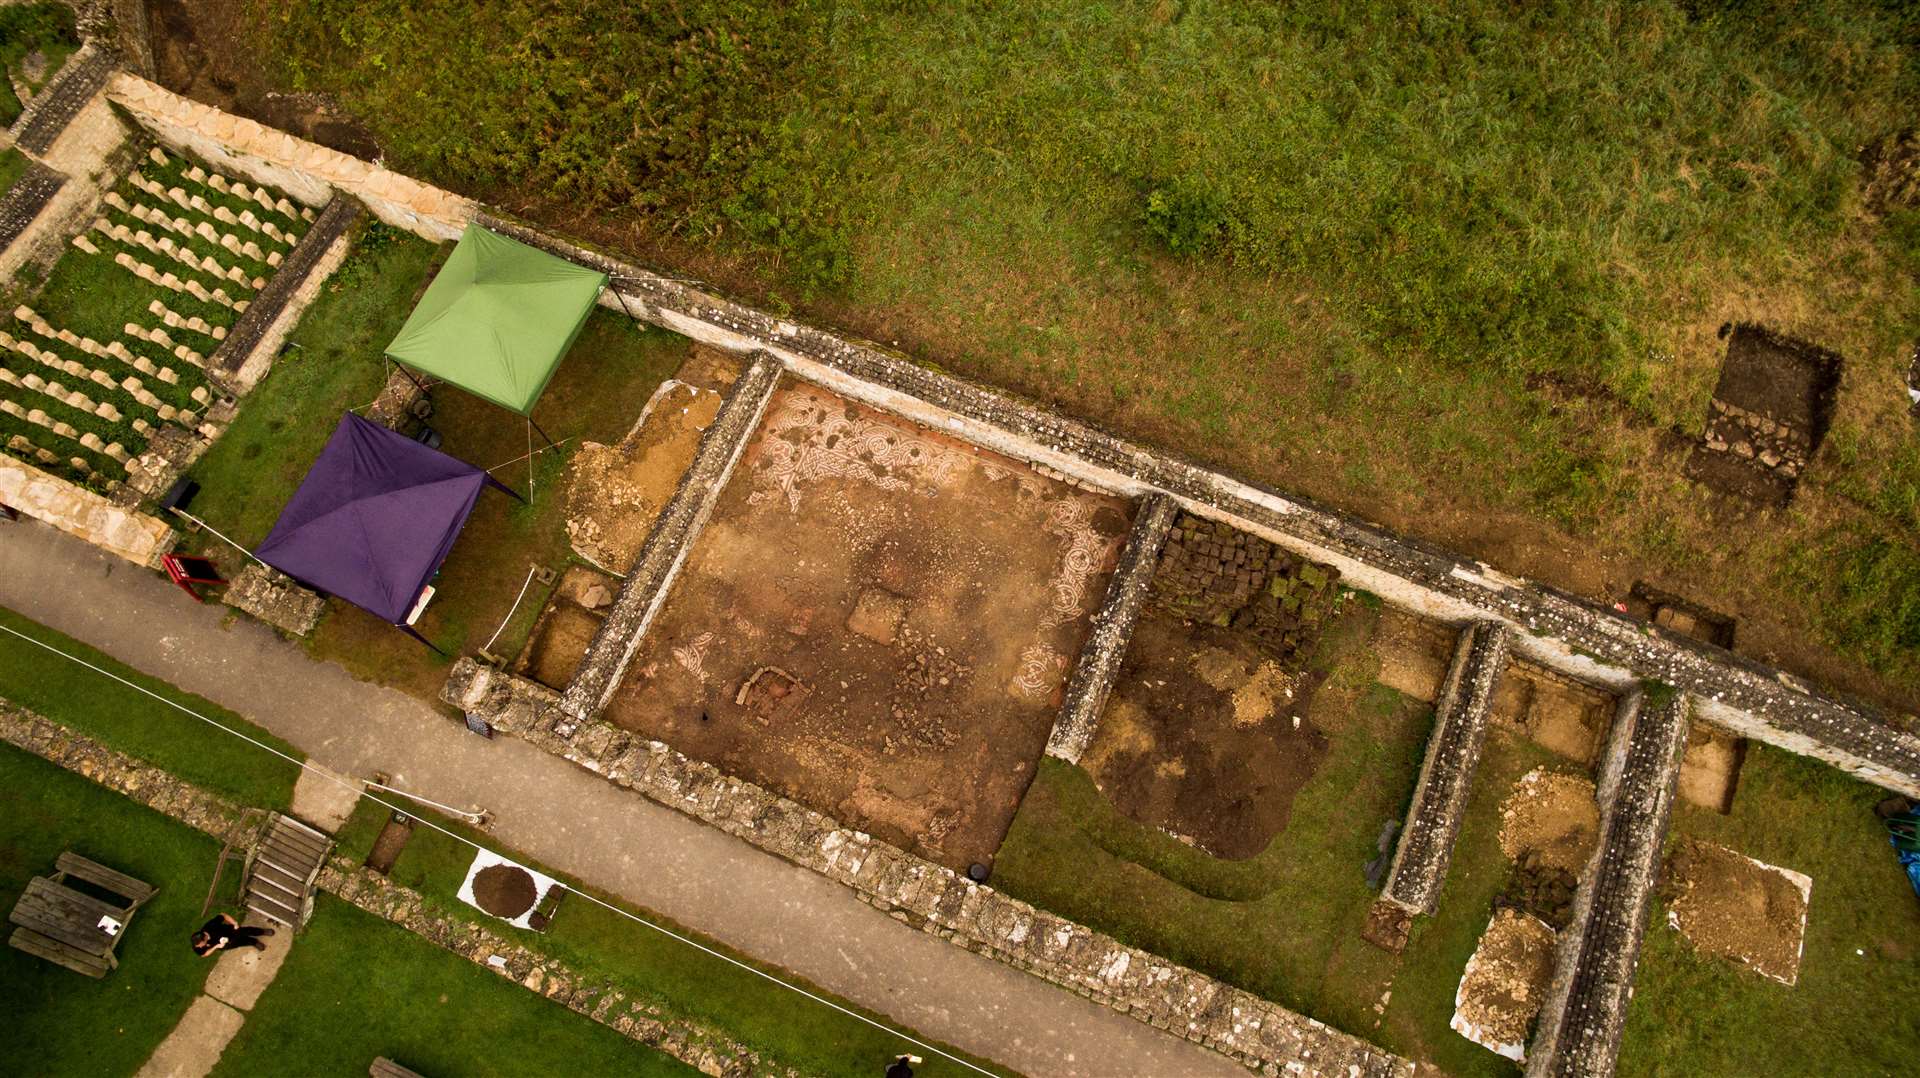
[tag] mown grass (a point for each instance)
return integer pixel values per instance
(356, 988)
(126, 719)
(1324, 245)
(1852, 1010)
(62, 1023)
(1286, 923)
(790, 1029)
(334, 362)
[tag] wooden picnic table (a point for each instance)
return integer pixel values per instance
(62, 924)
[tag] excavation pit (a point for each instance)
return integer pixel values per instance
(877, 621)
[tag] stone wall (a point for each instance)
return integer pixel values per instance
(306, 171)
(1419, 869)
(1260, 1034)
(80, 512)
(254, 341)
(700, 1047)
(679, 523)
(696, 1045)
(91, 153)
(1106, 646)
(1582, 639)
(1585, 1009)
(159, 790)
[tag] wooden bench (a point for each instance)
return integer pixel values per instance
(93, 872)
(73, 928)
(75, 959)
(387, 1068)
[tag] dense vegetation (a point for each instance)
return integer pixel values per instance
(1432, 262)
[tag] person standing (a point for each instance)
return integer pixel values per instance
(223, 933)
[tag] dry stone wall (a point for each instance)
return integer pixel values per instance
(1262, 1035)
(1106, 646)
(1419, 869)
(673, 533)
(1585, 1009)
(698, 1046)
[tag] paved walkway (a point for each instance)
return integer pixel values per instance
(580, 824)
(239, 977)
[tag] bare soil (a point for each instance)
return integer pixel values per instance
(566, 626)
(1551, 816)
(1558, 714)
(1505, 983)
(505, 890)
(1710, 771)
(616, 492)
(928, 739)
(206, 50)
(386, 848)
(1414, 653)
(1731, 906)
(1203, 736)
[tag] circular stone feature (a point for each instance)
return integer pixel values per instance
(504, 890)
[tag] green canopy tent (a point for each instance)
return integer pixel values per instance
(497, 319)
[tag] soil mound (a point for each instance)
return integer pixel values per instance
(1732, 906)
(504, 890)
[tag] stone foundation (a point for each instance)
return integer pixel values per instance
(81, 513)
(1581, 639)
(667, 544)
(253, 342)
(47, 116)
(274, 598)
(1106, 646)
(1262, 1035)
(1586, 1005)
(1419, 869)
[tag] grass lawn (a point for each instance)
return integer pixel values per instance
(120, 717)
(13, 165)
(1454, 266)
(63, 1023)
(250, 473)
(788, 1028)
(1285, 924)
(1853, 1010)
(356, 987)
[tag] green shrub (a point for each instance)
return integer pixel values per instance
(1188, 220)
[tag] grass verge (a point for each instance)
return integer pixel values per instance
(787, 1028)
(62, 1023)
(355, 988)
(136, 724)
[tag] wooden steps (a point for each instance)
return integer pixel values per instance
(281, 870)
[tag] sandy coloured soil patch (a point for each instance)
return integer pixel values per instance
(901, 610)
(1202, 737)
(1552, 816)
(1729, 905)
(1414, 653)
(1710, 770)
(1505, 983)
(1566, 718)
(615, 492)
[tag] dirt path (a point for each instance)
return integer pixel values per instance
(578, 823)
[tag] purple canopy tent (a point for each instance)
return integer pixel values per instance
(374, 518)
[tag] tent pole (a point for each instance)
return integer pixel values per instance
(530, 479)
(623, 302)
(551, 444)
(415, 633)
(411, 377)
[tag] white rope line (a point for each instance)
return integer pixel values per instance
(514, 609)
(628, 914)
(535, 453)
